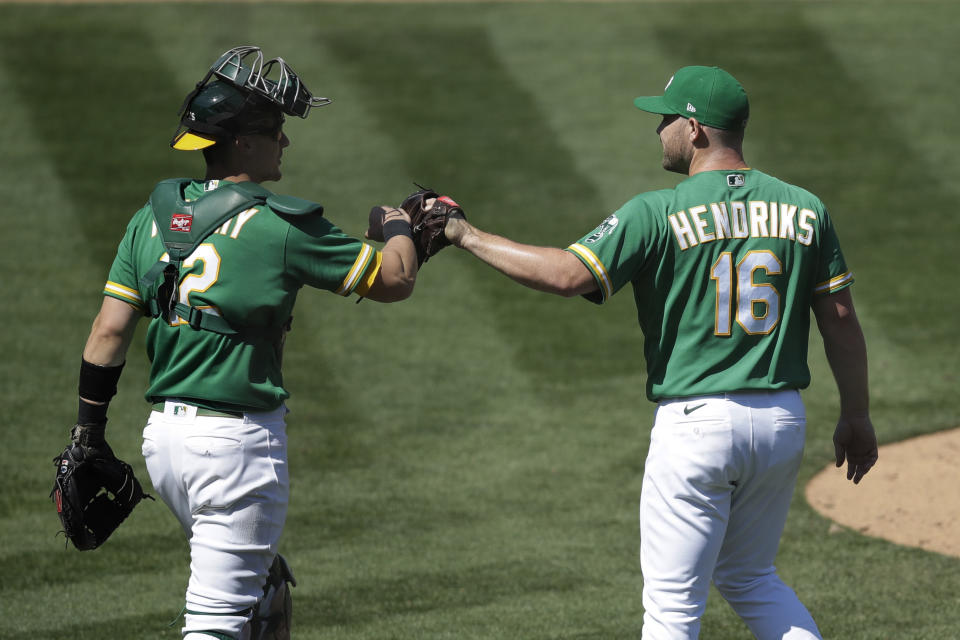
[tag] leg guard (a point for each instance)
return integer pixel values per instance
(273, 613)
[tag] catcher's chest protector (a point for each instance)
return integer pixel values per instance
(184, 225)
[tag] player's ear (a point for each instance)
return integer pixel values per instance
(243, 143)
(694, 129)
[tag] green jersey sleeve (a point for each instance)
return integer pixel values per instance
(123, 282)
(622, 245)
(832, 272)
(322, 256)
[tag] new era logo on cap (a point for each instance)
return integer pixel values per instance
(181, 222)
(720, 100)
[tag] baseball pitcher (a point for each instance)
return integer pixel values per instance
(725, 269)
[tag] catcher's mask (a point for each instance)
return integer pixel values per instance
(237, 97)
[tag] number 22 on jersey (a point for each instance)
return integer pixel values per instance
(200, 282)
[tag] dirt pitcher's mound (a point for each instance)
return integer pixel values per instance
(910, 497)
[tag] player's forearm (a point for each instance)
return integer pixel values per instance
(847, 356)
(104, 350)
(542, 268)
(846, 351)
(103, 358)
(398, 271)
(111, 334)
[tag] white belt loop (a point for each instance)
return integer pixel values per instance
(274, 415)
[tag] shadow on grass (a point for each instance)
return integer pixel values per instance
(149, 625)
(121, 555)
(361, 602)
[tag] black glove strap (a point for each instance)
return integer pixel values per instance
(396, 228)
(91, 413)
(89, 435)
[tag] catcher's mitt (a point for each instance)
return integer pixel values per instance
(427, 225)
(93, 494)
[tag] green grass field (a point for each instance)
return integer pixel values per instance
(489, 490)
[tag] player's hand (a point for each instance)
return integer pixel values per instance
(90, 438)
(855, 441)
(456, 230)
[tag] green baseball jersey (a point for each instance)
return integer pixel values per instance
(249, 271)
(724, 268)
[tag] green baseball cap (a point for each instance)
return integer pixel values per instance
(709, 94)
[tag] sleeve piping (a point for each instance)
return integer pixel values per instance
(596, 267)
(356, 271)
(834, 284)
(366, 282)
(117, 290)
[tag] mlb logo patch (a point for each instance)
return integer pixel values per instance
(736, 180)
(181, 222)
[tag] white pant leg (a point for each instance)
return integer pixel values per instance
(226, 480)
(684, 509)
(745, 574)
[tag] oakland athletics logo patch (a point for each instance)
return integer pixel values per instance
(606, 228)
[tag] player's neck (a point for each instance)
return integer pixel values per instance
(240, 177)
(214, 173)
(722, 159)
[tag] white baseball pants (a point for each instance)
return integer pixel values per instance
(226, 480)
(717, 485)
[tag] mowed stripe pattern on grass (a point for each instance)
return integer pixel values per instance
(496, 499)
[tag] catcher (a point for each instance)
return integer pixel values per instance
(216, 264)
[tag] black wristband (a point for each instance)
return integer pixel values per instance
(397, 228)
(91, 413)
(98, 383)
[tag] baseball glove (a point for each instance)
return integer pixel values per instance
(427, 225)
(94, 492)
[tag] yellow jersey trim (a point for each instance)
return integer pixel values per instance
(596, 267)
(357, 270)
(364, 287)
(833, 284)
(126, 294)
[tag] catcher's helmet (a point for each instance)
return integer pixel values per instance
(236, 97)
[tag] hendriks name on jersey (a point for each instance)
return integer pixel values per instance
(738, 219)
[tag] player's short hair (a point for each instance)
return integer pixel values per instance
(732, 138)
